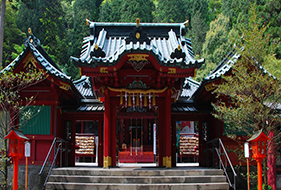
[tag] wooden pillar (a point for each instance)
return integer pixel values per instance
(161, 134)
(174, 143)
(106, 133)
(201, 143)
(112, 130)
(168, 130)
(100, 149)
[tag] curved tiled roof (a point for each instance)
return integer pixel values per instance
(84, 86)
(189, 87)
(33, 44)
(109, 41)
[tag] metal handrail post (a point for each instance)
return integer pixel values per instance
(48, 155)
(56, 154)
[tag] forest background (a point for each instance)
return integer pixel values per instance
(61, 25)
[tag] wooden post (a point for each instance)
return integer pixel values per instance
(259, 174)
(168, 130)
(16, 175)
(26, 165)
(248, 173)
(106, 140)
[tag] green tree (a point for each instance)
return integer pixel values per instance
(216, 46)
(110, 11)
(130, 10)
(253, 94)
(171, 11)
(197, 33)
(13, 36)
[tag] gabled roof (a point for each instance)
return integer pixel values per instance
(109, 41)
(32, 45)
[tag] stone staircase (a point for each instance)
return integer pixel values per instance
(83, 178)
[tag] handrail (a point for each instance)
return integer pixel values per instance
(60, 148)
(50, 169)
(229, 162)
(48, 155)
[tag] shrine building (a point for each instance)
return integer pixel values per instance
(135, 101)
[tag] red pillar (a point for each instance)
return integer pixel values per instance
(16, 175)
(100, 150)
(106, 136)
(168, 130)
(174, 144)
(161, 133)
(112, 129)
(259, 174)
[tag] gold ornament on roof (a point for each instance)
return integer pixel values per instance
(96, 46)
(29, 31)
(87, 22)
(179, 47)
(138, 22)
(138, 35)
(186, 23)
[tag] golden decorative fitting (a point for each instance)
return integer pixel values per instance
(87, 22)
(153, 100)
(103, 70)
(172, 71)
(179, 47)
(96, 46)
(138, 22)
(114, 69)
(145, 101)
(186, 23)
(64, 86)
(138, 35)
(133, 91)
(29, 31)
(138, 57)
(160, 69)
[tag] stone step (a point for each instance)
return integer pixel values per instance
(135, 172)
(137, 179)
(117, 186)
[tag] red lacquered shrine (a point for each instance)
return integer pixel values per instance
(137, 71)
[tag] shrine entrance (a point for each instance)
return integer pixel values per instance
(135, 140)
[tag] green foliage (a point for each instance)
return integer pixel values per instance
(253, 93)
(11, 102)
(171, 11)
(13, 36)
(197, 32)
(217, 45)
(130, 10)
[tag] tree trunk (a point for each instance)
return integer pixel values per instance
(271, 162)
(2, 23)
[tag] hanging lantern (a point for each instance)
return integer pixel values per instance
(126, 99)
(121, 98)
(129, 101)
(134, 100)
(138, 100)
